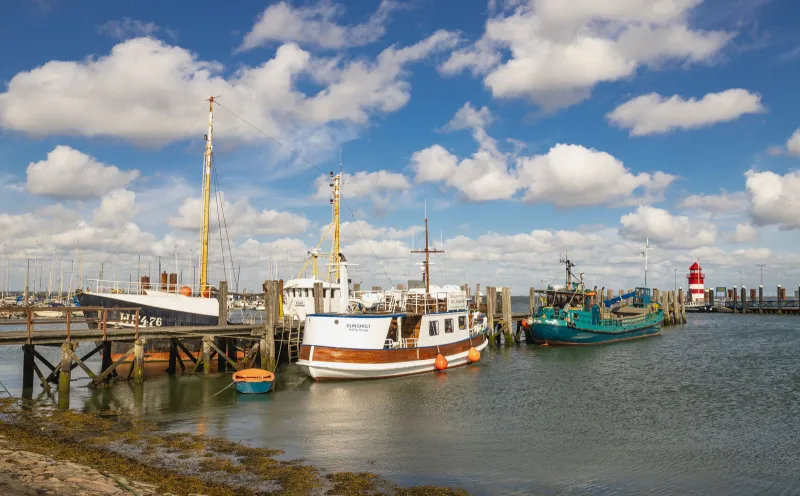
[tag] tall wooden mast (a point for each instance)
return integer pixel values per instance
(206, 200)
(427, 251)
(336, 185)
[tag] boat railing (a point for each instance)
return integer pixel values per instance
(134, 287)
(408, 342)
(434, 302)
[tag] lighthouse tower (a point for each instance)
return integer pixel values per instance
(697, 289)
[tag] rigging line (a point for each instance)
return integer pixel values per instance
(217, 201)
(368, 243)
(293, 152)
(224, 220)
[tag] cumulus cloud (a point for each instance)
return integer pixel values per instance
(724, 202)
(654, 114)
(152, 93)
(793, 143)
(67, 173)
(745, 233)
(572, 175)
(240, 217)
(774, 198)
(116, 208)
(468, 117)
(560, 50)
(664, 228)
(131, 28)
(316, 25)
(363, 183)
(567, 175)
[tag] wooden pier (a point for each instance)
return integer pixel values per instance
(233, 346)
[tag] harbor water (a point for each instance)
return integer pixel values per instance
(707, 408)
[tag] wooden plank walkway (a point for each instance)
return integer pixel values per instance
(128, 334)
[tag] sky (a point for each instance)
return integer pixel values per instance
(524, 130)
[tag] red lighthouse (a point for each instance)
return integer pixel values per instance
(697, 290)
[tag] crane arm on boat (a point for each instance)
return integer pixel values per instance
(613, 301)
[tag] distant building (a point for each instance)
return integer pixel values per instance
(697, 288)
(416, 284)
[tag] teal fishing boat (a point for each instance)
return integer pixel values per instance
(573, 315)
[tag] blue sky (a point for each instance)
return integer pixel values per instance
(529, 127)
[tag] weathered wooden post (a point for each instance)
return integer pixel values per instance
(531, 301)
(318, 302)
(761, 299)
(206, 347)
(508, 331)
(222, 320)
(780, 299)
(27, 366)
(681, 307)
(268, 341)
(735, 300)
(491, 299)
(138, 361)
(65, 375)
(744, 299)
(173, 357)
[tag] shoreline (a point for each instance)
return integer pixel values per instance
(49, 451)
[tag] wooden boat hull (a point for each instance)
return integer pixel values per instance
(338, 364)
(560, 334)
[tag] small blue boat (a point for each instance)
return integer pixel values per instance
(575, 316)
(253, 381)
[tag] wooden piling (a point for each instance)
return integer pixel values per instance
(681, 308)
(744, 300)
(206, 355)
(760, 299)
(271, 305)
(173, 357)
(65, 375)
(318, 301)
(28, 362)
(508, 331)
(780, 302)
(531, 301)
(222, 299)
(491, 299)
(138, 361)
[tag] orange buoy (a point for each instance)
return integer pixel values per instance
(473, 355)
(186, 291)
(206, 292)
(525, 323)
(440, 363)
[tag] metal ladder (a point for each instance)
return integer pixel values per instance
(294, 338)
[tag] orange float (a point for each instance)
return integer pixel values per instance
(186, 291)
(473, 355)
(440, 363)
(206, 292)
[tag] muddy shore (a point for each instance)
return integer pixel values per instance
(48, 451)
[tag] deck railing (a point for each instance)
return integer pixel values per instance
(71, 316)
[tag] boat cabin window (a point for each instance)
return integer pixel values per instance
(462, 322)
(448, 325)
(433, 328)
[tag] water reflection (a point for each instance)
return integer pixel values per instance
(709, 408)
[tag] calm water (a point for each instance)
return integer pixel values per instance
(709, 408)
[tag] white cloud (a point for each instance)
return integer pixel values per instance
(468, 117)
(70, 174)
(793, 143)
(745, 233)
(560, 50)
(131, 28)
(654, 114)
(153, 93)
(571, 175)
(116, 208)
(774, 199)
(315, 25)
(363, 183)
(567, 175)
(241, 219)
(722, 203)
(351, 231)
(663, 228)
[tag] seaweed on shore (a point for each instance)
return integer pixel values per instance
(180, 463)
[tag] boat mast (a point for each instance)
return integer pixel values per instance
(206, 199)
(427, 251)
(336, 184)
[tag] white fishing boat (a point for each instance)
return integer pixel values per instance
(401, 333)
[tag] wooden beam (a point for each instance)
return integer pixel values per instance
(81, 364)
(222, 355)
(42, 379)
(113, 366)
(222, 297)
(188, 353)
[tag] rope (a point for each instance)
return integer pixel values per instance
(221, 206)
(368, 243)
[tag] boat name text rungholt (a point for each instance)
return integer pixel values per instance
(358, 327)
